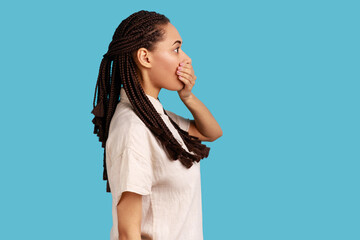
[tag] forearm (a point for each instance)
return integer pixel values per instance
(204, 120)
(130, 236)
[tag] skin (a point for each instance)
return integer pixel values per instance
(158, 68)
(129, 216)
(167, 66)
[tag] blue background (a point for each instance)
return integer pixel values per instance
(280, 77)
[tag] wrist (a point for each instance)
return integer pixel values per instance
(188, 98)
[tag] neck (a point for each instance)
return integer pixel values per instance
(148, 88)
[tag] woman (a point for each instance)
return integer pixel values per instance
(151, 155)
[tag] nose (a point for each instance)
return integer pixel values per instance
(186, 58)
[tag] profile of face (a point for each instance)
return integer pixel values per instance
(158, 67)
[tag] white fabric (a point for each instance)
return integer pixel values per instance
(137, 162)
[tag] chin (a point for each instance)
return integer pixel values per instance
(176, 87)
(181, 86)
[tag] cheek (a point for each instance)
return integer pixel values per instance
(163, 73)
(167, 63)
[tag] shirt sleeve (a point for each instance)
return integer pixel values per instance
(130, 172)
(184, 123)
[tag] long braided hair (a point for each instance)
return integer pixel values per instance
(117, 68)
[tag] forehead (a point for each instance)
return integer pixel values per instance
(171, 34)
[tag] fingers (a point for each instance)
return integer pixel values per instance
(186, 67)
(186, 71)
(186, 81)
(185, 75)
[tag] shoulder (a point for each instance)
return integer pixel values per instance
(127, 130)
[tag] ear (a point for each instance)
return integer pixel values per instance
(143, 57)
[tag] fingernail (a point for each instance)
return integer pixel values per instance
(181, 64)
(178, 72)
(179, 68)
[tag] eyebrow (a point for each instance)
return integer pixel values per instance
(177, 41)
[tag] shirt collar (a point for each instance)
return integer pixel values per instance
(155, 102)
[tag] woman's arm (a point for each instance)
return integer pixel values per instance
(204, 126)
(129, 216)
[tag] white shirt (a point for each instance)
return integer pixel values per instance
(137, 162)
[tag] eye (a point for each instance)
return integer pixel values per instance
(177, 49)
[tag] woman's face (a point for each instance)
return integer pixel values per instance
(166, 57)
